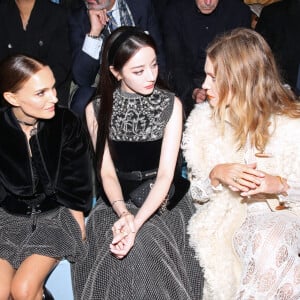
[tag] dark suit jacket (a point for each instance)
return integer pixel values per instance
(46, 38)
(280, 25)
(187, 32)
(84, 67)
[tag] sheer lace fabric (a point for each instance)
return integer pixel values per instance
(268, 245)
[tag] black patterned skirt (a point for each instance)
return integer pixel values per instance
(57, 234)
(160, 265)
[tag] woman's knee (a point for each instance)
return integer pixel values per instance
(24, 290)
(6, 276)
(4, 292)
(29, 278)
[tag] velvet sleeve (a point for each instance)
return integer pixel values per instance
(74, 182)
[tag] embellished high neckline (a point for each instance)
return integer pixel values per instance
(140, 117)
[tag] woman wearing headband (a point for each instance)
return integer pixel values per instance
(242, 149)
(44, 179)
(138, 246)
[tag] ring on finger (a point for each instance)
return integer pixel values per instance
(236, 179)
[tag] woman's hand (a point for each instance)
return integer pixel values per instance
(238, 177)
(124, 233)
(269, 185)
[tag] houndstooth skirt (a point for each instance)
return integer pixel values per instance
(161, 264)
(57, 234)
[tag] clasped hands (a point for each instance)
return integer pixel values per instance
(124, 232)
(246, 179)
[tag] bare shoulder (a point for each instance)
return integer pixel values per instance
(177, 104)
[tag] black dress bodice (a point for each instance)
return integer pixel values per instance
(136, 131)
(137, 128)
(136, 156)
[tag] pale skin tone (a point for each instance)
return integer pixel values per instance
(35, 100)
(242, 178)
(138, 76)
(25, 8)
(98, 15)
(207, 6)
(199, 95)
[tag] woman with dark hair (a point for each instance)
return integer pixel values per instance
(138, 246)
(44, 179)
(242, 150)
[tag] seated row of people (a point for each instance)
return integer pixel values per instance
(182, 32)
(181, 47)
(70, 38)
(229, 232)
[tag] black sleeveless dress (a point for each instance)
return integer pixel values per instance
(160, 265)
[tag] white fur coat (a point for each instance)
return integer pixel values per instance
(213, 225)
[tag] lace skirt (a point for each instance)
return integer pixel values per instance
(161, 264)
(268, 244)
(57, 234)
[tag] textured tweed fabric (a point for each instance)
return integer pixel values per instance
(57, 235)
(161, 265)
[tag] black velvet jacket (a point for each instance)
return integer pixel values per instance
(61, 151)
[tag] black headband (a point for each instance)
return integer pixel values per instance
(119, 41)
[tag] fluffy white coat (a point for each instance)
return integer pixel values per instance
(213, 225)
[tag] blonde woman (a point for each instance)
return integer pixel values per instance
(242, 150)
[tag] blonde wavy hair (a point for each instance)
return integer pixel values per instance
(249, 84)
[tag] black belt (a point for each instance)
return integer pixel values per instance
(29, 206)
(137, 175)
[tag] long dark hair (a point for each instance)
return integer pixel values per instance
(15, 71)
(120, 46)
